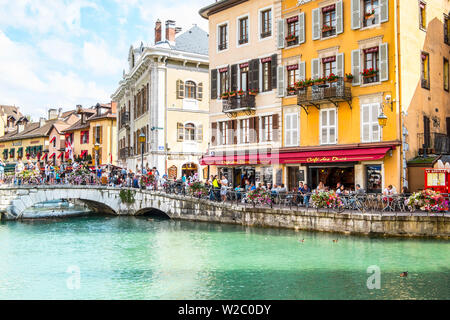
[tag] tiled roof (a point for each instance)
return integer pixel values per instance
(10, 111)
(194, 40)
(32, 130)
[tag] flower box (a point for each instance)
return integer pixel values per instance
(369, 16)
(327, 28)
(253, 92)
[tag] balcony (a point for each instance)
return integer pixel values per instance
(245, 103)
(124, 153)
(433, 143)
(334, 92)
(125, 119)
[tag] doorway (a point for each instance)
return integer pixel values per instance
(241, 174)
(293, 176)
(189, 169)
(330, 176)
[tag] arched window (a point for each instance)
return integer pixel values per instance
(189, 132)
(190, 90)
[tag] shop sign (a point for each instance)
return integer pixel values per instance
(18, 143)
(326, 159)
(34, 142)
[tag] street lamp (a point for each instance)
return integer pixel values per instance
(96, 147)
(142, 141)
(382, 119)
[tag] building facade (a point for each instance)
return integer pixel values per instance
(245, 115)
(94, 136)
(164, 98)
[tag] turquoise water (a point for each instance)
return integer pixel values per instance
(134, 258)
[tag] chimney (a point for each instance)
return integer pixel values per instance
(59, 113)
(41, 122)
(158, 31)
(52, 114)
(20, 127)
(113, 107)
(170, 31)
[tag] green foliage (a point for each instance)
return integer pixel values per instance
(127, 196)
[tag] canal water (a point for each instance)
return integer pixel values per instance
(97, 257)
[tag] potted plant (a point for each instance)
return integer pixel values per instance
(332, 78)
(348, 77)
(369, 73)
(225, 95)
(319, 81)
(370, 14)
(253, 92)
(232, 93)
(309, 82)
(240, 93)
(291, 38)
(326, 28)
(291, 90)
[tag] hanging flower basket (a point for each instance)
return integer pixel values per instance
(348, 77)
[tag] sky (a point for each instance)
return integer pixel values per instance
(61, 53)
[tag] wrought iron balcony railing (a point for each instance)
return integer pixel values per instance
(125, 153)
(239, 103)
(334, 92)
(125, 119)
(433, 143)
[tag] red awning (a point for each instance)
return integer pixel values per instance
(60, 154)
(53, 139)
(44, 156)
(325, 156)
(52, 155)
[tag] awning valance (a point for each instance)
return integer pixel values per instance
(53, 139)
(322, 156)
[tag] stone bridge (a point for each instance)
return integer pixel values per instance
(15, 200)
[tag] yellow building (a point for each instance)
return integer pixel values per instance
(94, 136)
(164, 97)
(331, 130)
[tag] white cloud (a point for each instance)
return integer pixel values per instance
(99, 60)
(58, 50)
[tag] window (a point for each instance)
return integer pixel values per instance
(291, 130)
(371, 63)
(223, 37)
(292, 31)
(191, 91)
(180, 132)
(266, 23)
(244, 131)
(243, 30)
(223, 128)
(267, 128)
(328, 126)
(84, 137)
(292, 78)
(370, 130)
(371, 13)
(446, 75)
(422, 15)
(329, 21)
(329, 66)
(447, 29)
(425, 81)
(189, 132)
(266, 75)
(54, 143)
(98, 134)
(223, 81)
(244, 77)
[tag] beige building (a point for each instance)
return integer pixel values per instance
(9, 115)
(245, 102)
(164, 96)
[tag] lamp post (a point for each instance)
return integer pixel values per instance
(382, 119)
(142, 141)
(96, 147)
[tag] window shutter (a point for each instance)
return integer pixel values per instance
(315, 68)
(302, 70)
(252, 130)
(365, 123)
(384, 10)
(339, 17)
(316, 24)
(356, 67)
(280, 38)
(254, 74)
(180, 89)
(214, 133)
(287, 130)
(356, 14)
(100, 134)
(230, 132)
(301, 26)
(322, 123)
(200, 91)
(280, 72)
(257, 133)
(374, 122)
(340, 65)
(180, 131)
(276, 127)
(234, 70)
(446, 35)
(384, 63)
(214, 84)
(199, 132)
(234, 131)
(274, 65)
(295, 129)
